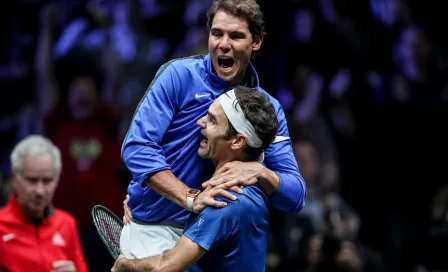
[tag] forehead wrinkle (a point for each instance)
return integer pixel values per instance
(229, 23)
(230, 28)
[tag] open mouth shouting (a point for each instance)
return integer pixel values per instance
(226, 65)
(204, 142)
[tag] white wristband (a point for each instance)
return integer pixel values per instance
(190, 203)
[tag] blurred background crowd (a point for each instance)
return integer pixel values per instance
(363, 82)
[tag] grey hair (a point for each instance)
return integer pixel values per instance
(34, 145)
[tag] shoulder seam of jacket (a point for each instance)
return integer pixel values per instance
(164, 66)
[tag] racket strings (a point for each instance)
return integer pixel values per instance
(109, 228)
(112, 228)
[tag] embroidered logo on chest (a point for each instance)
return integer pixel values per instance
(57, 239)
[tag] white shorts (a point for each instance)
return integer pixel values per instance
(140, 241)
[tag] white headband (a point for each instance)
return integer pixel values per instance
(236, 117)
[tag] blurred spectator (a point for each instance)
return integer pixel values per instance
(329, 253)
(321, 196)
(325, 213)
(329, 213)
(417, 76)
(138, 51)
(431, 255)
(294, 234)
(5, 191)
(306, 154)
(84, 124)
(337, 249)
(36, 236)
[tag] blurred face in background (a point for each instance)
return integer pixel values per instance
(35, 184)
(231, 44)
(306, 156)
(348, 255)
(314, 249)
(82, 98)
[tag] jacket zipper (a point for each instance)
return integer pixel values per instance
(39, 247)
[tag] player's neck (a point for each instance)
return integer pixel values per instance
(237, 81)
(240, 80)
(221, 163)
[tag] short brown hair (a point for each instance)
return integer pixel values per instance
(247, 9)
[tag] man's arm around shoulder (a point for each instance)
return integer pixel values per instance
(182, 256)
(141, 150)
(210, 228)
(282, 172)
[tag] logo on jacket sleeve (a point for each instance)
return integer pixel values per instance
(58, 240)
(8, 237)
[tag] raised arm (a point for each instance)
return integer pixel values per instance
(109, 59)
(182, 256)
(47, 88)
(112, 73)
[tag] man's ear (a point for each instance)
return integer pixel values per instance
(238, 142)
(258, 40)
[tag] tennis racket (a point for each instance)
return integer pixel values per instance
(109, 227)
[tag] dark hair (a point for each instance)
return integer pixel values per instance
(259, 111)
(247, 9)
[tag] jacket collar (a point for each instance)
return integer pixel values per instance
(250, 79)
(17, 210)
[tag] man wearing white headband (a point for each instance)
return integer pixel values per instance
(239, 126)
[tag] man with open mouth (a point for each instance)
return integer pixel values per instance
(160, 148)
(238, 126)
